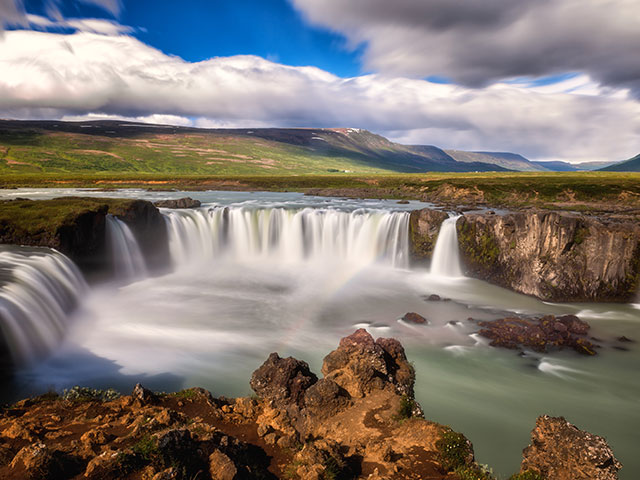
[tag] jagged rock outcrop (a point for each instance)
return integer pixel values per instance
(186, 202)
(359, 422)
(561, 451)
(541, 335)
(553, 256)
(424, 226)
(77, 228)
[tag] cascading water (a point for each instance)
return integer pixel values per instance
(360, 236)
(446, 257)
(38, 289)
(128, 262)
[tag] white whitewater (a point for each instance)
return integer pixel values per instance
(38, 289)
(287, 235)
(446, 257)
(128, 262)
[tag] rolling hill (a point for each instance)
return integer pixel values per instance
(506, 160)
(631, 165)
(558, 166)
(113, 146)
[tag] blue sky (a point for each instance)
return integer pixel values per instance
(196, 30)
(460, 74)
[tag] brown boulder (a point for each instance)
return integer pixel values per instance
(413, 317)
(539, 335)
(186, 202)
(282, 380)
(361, 365)
(561, 451)
(221, 467)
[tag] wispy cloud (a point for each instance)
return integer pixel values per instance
(50, 75)
(479, 42)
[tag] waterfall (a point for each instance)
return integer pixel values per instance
(128, 262)
(446, 258)
(361, 236)
(38, 289)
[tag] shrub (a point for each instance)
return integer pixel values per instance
(527, 475)
(85, 394)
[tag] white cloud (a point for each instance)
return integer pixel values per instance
(48, 75)
(478, 42)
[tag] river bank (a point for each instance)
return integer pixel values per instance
(361, 420)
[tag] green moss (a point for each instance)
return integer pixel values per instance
(527, 475)
(42, 218)
(405, 410)
(580, 235)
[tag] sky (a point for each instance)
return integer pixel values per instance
(549, 79)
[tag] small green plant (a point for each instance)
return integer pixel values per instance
(405, 410)
(85, 394)
(454, 450)
(184, 394)
(146, 448)
(473, 472)
(332, 469)
(527, 475)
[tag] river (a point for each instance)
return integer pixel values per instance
(293, 274)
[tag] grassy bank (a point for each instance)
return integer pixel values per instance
(574, 190)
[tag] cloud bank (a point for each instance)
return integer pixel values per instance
(479, 42)
(51, 75)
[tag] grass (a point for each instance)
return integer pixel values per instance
(42, 218)
(493, 188)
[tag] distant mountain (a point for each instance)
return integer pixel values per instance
(558, 166)
(631, 165)
(509, 161)
(114, 146)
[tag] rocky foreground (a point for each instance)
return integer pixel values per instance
(359, 421)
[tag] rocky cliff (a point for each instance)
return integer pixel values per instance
(424, 226)
(360, 421)
(551, 255)
(77, 228)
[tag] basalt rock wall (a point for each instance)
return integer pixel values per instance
(554, 256)
(77, 228)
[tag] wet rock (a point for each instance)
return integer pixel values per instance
(574, 324)
(403, 202)
(625, 339)
(282, 380)
(433, 298)
(424, 226)
(561, 451)
(539, 335)
(413, 317)
(170, 473)
(186, 202)
(361, 365)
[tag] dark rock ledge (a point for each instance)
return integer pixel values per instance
(360, 420)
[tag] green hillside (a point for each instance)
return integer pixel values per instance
(506, 160)
(111, 146)
(631, 165)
